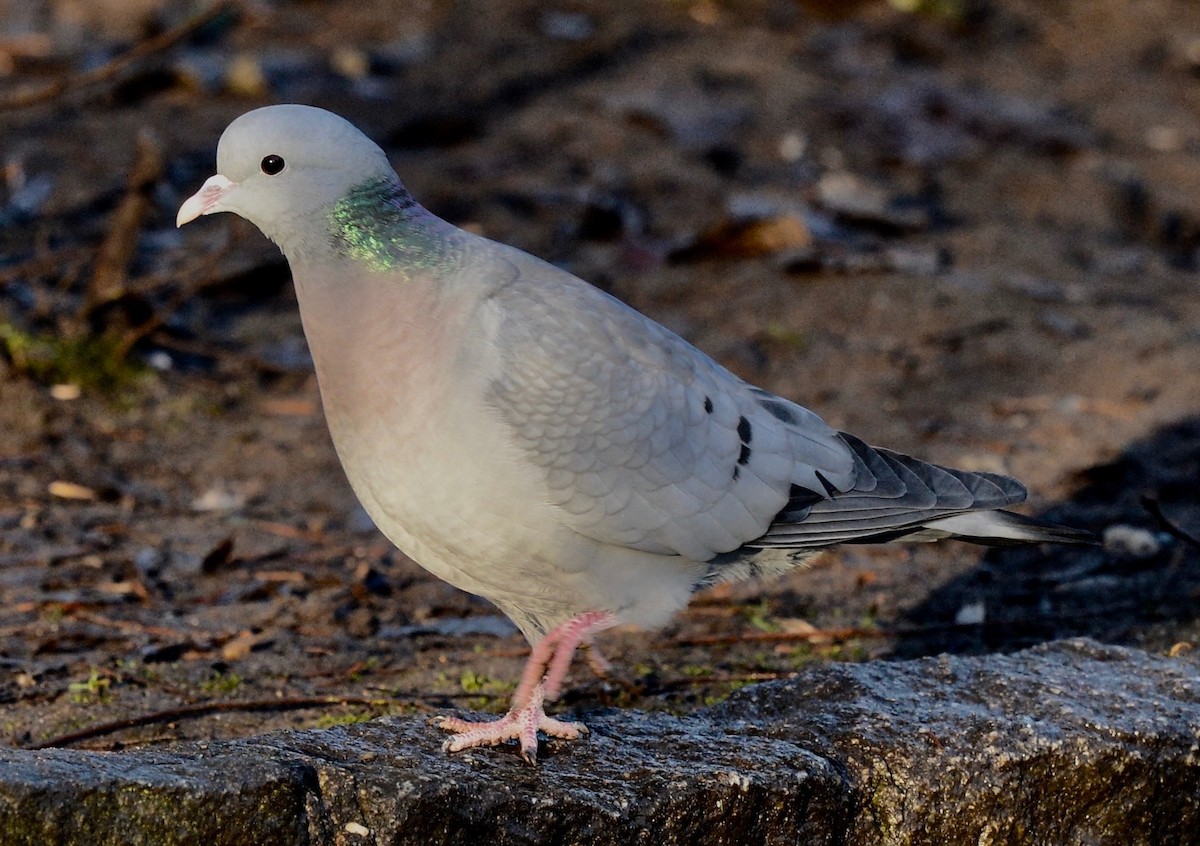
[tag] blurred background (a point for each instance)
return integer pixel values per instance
(966, 229)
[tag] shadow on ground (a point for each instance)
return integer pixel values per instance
(1146, 578)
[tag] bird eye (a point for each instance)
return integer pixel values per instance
(271, 165)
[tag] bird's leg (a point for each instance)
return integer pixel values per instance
(541, 680)
(571, 634)
(600, 665)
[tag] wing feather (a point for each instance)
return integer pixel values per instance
(648, 443)
(644, 440)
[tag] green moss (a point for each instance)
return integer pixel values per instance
(92, 691)
(781, 333)
(726, 690)
(857, 651)
(131, 668)
(98, 362)
(350, 718)
(801, 655)
(472, 682)
(759, 616)
(365, 667)
(493, 693)
(222, 683)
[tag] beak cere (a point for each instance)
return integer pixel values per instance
(205, 200)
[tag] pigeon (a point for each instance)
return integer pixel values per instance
(533, 440)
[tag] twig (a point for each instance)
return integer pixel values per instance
(1154, 509)
(110, 69)
(43, 263)
(129, 626)
(687, 682)
(203, 709)
(284, 530)
(186, 292)
(111, 271)
(131, 336)
(831, 635)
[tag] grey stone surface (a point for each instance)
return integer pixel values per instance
(1071, 742)
(1066, 743)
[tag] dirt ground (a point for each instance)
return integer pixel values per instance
(970, 231)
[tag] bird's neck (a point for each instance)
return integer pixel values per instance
(379, 224)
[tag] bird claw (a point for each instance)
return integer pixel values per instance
(520, 724)
(541, 681)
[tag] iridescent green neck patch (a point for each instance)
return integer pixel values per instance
(381, 225)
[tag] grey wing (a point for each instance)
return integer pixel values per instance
(893, 495)
(645, 441)
(648, 443)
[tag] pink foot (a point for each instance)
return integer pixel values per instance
(541, 680)
(520, 724)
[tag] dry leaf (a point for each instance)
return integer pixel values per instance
(70, 490)
(240, 646)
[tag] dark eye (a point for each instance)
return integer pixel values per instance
(271, 165)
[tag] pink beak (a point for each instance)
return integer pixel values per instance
(205, 200)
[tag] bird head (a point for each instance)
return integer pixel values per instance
(282, 167)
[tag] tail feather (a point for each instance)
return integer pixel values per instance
(895, 496)
(999, 528)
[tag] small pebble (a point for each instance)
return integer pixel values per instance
(350, 62)
(244, 77)
(1064, 325)
(792, 147)
(160, 360)
(1131, 542)
(971, 614)
(219, 498)
(567, 26)
(1164, 139)
(917, 261)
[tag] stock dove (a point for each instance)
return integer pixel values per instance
(530, 439)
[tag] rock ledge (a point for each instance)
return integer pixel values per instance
(1071, 742)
